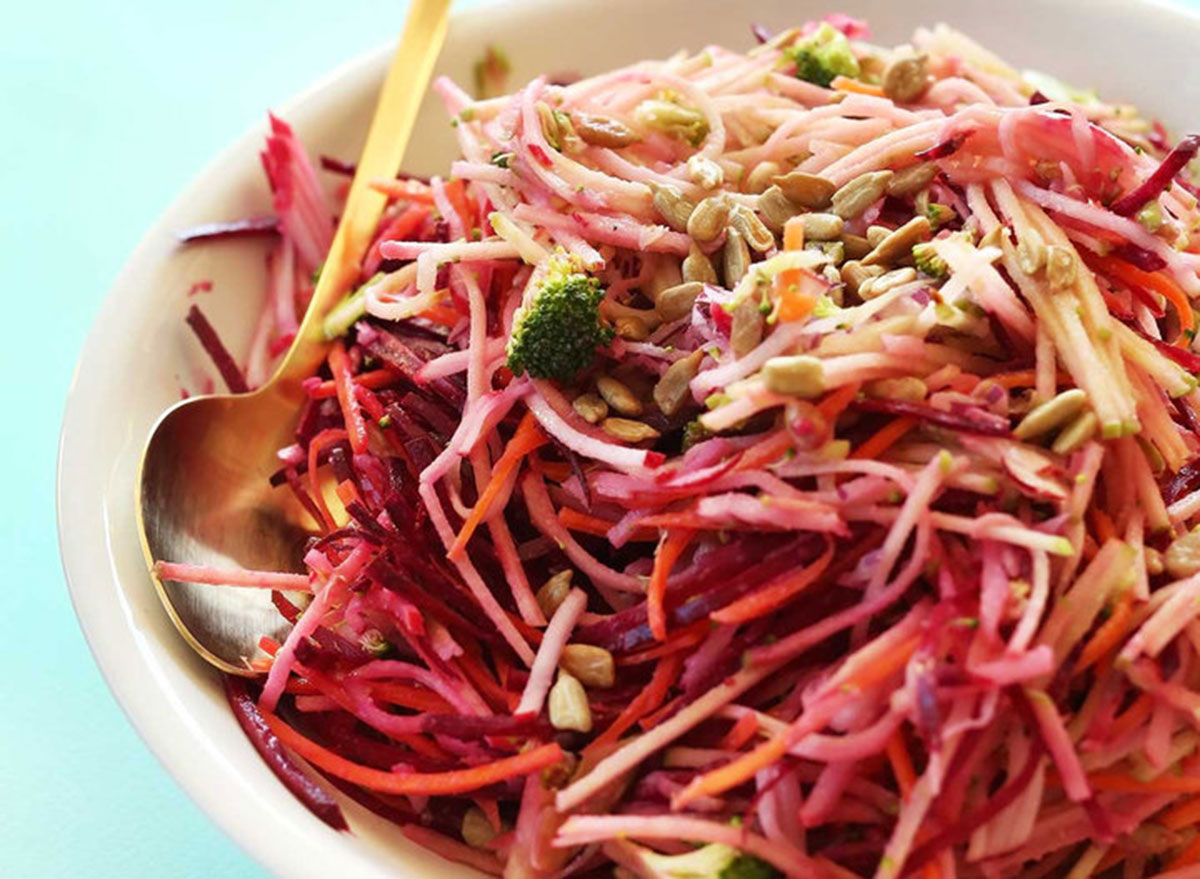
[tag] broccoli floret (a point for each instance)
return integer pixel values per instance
(557, 329)
(928, 262)
(713, 861)
(823, 55)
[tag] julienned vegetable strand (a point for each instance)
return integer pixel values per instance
(751, 464)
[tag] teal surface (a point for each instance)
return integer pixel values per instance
(108, 110)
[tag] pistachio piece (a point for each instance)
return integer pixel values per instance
(568, 703)
(1075, 434)
(708, 220)
(760, 178)
(873, 287)
(911, 179)
(1052, 414)
(808, 190)
(1031, 251)
(592, 666)
(617, 395)
(1060, 267)
(696, 267)
(775, 208)
(629, 431)
(752, 229)
(747, 326)
(554, 592)
(704, 172)
(854, 274)
(674, 209)
(1182, 558)
(800, 375)
(672, 391)
(899, 242)
(603, 131)
(860, 193)
(676, 302)
(822, 227)
(906, 78)
(735, 257)
(590, 408)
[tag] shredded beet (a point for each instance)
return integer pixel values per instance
(943, 149)
(249, 227)
(215, 348)
(761, 32)
(965, 420)
(1152, 186)
(337, 166)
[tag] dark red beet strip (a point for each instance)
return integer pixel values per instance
(1175, 161)
(922, 412)
(221, 358)
(947, 147)
(314, 797)
(245, 228)
(337, 166)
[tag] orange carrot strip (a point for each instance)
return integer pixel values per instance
(884, 438)
(403, 189)
(1133, 716)
(529, 436)
(680, 639)
(794, 302)
(416, 698)
(647, 700)
(456, 192)
(1110, 633)
(836, 401)
(442, 315)
(742, 731)
(457, 781)
(767, 599)
(669, 550)
(577, 521)
(793, 234)
(902, 766)
(765, 451)
(846, 84)
(1102, 525)
(327, 437)
(1159, 283)
(356, 427)
(1181, 815)
(1122, 782)
(374, 379)
(1187, 857)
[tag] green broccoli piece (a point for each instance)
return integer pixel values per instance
(667, 114)
(557, 329)
(713, 861)
(823, 55)
(928, 262)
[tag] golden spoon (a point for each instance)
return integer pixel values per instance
(203, 495)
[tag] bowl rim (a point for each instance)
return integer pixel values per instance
(273, 839)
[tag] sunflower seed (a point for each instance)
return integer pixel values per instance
(554, 592)
(899, 242)
(860, 193)
(775, 208)
(747, 326)
(617, 395)
(603, 131)
(708, 220)
(674, 209)
(1076, 433)
(1052, 414)
(752, 229)
(760, 178)
(799, 375)
(569, 707)
(855, 274)
(1031, 251)
(590, 408)
(628, 430)
(822, 227)
(911, 179)
(856, 246)
(807, 190)
(696, 267)
(908, 389)
(592, 666)
(676, 302)
(1060, 267)
(905, 79)
(477, 830)
(873, 287)
(704, 172)
(672, 391)
(735, 258)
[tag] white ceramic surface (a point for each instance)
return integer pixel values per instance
(139, 350)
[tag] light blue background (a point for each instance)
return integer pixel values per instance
(108, 109)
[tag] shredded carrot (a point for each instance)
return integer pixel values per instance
(347, 492)
(931, 870)
(1133, 716)
(529, 436)
(846, 84)
(1181, 815)
(456, 192)
(1190, 855)
(795, 303)
(374, 379)
(902, 766)
(477, 673)
(268, 645)
(653, 719)
(1159, 283)
(409, 696)
(664, 677)
(577, 521)
(369, 401)
(316, 445)
(884, 438)
(457, 781)
(356, 428)
(1110, 633)
(669, 550)
(1123, 782)
(733, 773)
(409, 190)
(1102, 525)
(681, 639)
(1022, 378)
(443, 315)
(793, 234)
(765, 451)
(771, 597)
(836, 401)
(742, 731)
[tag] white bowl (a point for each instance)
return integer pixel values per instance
(139, 350)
